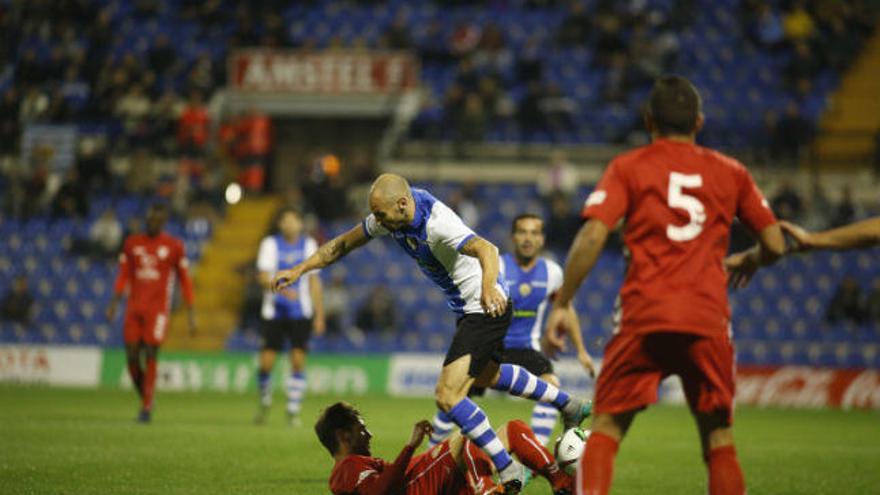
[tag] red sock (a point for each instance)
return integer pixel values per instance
(478, 468)
(533, 455)
(149, 384)
(137, 376)
(725, 475)
(597, 465)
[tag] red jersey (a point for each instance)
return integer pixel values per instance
(434, 472)
(679, 201)
(148, 266)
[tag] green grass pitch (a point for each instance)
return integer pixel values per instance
(55, 441)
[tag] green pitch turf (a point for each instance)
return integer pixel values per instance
(79, 441)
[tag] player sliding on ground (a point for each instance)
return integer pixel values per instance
(454, 467)
(147, 267)
(466, 268)
(677, 201)
(533, 281)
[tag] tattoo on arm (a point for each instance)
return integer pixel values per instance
(332, 251)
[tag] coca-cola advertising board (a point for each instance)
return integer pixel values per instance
(808, 387)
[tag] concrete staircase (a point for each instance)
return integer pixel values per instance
(853, 118)
(218, 284)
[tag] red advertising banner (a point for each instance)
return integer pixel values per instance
(808, 387)
(329, 73)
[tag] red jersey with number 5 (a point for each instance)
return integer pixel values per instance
(148, 266)
(678, 201)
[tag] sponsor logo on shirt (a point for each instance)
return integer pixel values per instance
(595, 198)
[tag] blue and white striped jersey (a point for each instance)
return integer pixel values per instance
(434, 239)
(530, 292)
(277, 254)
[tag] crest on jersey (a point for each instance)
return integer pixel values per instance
(412, 243)
(162, 252)
(525, 289)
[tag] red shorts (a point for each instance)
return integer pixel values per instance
(634, 365)
(435, 473)
(148, 327)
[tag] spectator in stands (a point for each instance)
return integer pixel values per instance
(791, 136)
(133, 108)
(873, 305)
(839, 44)
(71, 200)
(10, 128)
(193, 127)
(787, 203)
(575, 29)
(528, 113)
(492, 55)
(377, 312)
(461, 201)
(559, 110)
(91, 164)
(802, 67)
(336, 304)
(562, 224)
(529, 63)
(397, 36)
(558, 178)
(845, 210)
(797, 23)
(105, 237)
(17, 303)
(471, 125)
(254, 138)
(619, 79)
(847, 303)
(34, 107)
(610, 41)
(433, 47)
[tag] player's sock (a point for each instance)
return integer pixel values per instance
(264, 385)
(518, 381)
(596, 468)
(725, 475)
(478, 469)
(137, 376)
(532, 454)
(443, 425)
(296, 390)
(474, 424)
(543, 420)
(149, 384)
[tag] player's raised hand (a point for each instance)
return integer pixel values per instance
(741, 267)
(285, 278)
(802, 238)
(494, 303)
(420, 430)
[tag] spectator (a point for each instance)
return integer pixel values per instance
(765, 26)
(471, 125)
(802, 67)
(71, 200)
(91, 164)
(377, 312)
(34, 107)
(529, 114)
(610, 41)
(530, 64)
(134, 108)
(193, 127)
(254, 138)
(9, 122)
(575, 29)
(17, 303)
(433, 46)
(558, 177)
(492, 55)
(336, 304)
(397, 35)
(791, 136)
(787, 203)
(847, 304)
(845, 211)
(873, 305)
(619, 80)
(840, 44)
(797, 23)
(562, 225)
(559, 110)
(105, 237)
(461, 201)
(161, 56)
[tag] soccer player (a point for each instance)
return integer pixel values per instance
(533, 281)
(147, 267)
(677, 200)
(290, 315)
(454, 467)
(466, 267)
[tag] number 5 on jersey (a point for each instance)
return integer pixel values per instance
(678, 199)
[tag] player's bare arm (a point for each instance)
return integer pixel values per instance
(420, 430)
(857, 235)
(741, 267)
(582, 258)
(494, 302)
(319, 321)
(577, 340)
(329, 253)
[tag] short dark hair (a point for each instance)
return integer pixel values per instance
(525, 216)
(288, 209)
(159, 207)
(339, 416)
(674, 106)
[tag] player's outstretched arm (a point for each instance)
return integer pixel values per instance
(582, 257)
(494, 303)
(393, 479)
(857, 235)
(329, 253)
(741, 267)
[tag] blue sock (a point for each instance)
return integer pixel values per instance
(296, 390)
(543, 420)
(516, 380)
(443, 426)
(264, 385)
(474, 424)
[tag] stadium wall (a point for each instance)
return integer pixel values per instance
(404, 374)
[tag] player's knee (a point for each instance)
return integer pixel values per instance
(608, 425)
(445, 397)
(720, 437)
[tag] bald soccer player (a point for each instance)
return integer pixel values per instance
(466, 268)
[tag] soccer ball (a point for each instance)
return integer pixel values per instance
(569, 448)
